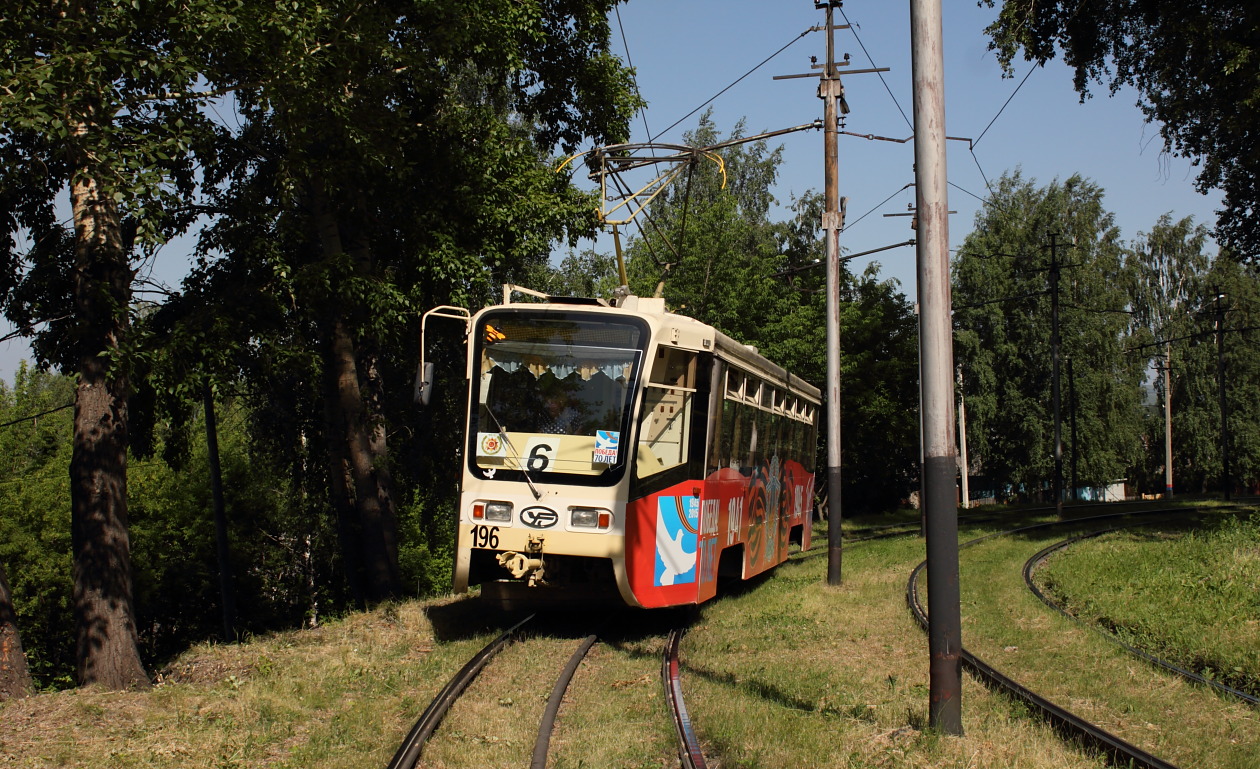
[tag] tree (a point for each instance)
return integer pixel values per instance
(713, 246)
(1002, 278)
(393, 156)
(1195, 66)
(15, 676)
(36, 444)
(97, 102)
(1220, 340)
(1168, 267)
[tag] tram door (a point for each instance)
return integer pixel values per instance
(668, 539)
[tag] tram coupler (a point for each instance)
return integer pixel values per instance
(529, 563)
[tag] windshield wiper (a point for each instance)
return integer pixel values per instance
(515, 454)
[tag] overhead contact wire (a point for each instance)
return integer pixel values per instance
(729, 87)
(635, 80)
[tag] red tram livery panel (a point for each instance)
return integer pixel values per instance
(626, 453)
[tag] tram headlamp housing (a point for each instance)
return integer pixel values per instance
(589, 518)
(493, 511)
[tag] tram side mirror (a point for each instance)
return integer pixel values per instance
(424, 384)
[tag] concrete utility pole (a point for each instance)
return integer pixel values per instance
(831, 92)
(936, 366)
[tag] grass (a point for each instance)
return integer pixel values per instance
(795, 673)
(1191, 597)
(1007, 626)
(784, 672)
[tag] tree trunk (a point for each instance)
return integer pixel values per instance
(357, 438)
(15, 676)
(107, 647)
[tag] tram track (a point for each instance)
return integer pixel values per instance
(410, 752)
(1119, 751)
(1030, 567)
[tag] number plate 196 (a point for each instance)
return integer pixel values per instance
(485, 536)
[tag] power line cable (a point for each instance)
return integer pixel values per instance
(848, 227)
(980, 168)
(33, 417)
(854, 29)
(1000, 111)
(729, 87)
(969, 192)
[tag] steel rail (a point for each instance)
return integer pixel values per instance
(688, 744)
(408, 753)
(1118, 750)
(547, 725)
(1037, 560)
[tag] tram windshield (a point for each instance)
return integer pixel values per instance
(555, 393)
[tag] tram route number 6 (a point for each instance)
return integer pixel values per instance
(540, 454)
(485, 536)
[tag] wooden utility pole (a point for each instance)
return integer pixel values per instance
(831, 91)
(1168, 458)
(936, 367)
(1054, 374)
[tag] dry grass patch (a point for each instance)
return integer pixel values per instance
(338, 696)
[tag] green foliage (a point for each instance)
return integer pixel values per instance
(1194, 64)
(1002, 318)
(1176, 313)
(426, 551)
(107, 95)
(35, 517)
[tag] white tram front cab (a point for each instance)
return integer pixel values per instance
(625, 454)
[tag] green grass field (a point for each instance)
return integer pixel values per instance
(785, 672)
(1190, 596)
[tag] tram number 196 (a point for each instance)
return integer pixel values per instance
(485, 536)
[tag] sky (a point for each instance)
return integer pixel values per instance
(688, 51)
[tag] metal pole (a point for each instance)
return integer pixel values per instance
(936, 365)
(226, 592)
(962, 444)
(1054, 374)
(1168, 459)
(830, 91)
(1072, 426)
(1220, 386)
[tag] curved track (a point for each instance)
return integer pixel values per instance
(408, 753)
(1031, 566)
(1118, 750)
(689, 751)
(688, 744)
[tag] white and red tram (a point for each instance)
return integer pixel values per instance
(626, 453)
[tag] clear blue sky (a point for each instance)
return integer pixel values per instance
(686, 51)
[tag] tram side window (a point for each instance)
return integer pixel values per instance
(665, 429)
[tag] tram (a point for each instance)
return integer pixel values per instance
(625, 453)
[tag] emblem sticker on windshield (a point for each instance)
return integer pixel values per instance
(606, 447)
(489, 445)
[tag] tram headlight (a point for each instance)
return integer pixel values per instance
(589, 518)
(493, 511)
